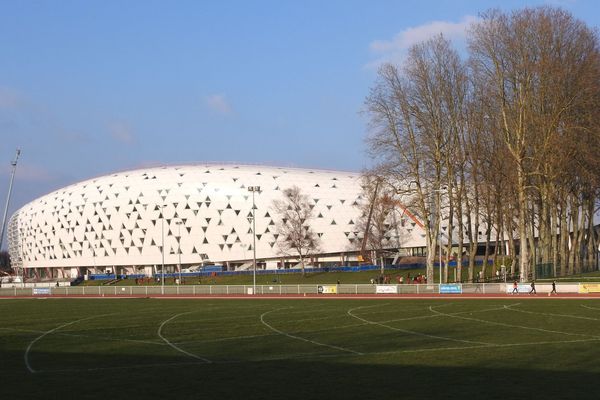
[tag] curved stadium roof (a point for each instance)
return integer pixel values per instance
(119, 219)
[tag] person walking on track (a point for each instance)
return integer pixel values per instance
(532, 288)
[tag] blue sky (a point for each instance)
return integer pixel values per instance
(92, 87)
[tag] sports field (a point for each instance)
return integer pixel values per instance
(299, 349)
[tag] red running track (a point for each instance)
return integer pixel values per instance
(432, 296)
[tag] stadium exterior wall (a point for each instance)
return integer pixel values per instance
(119, 220)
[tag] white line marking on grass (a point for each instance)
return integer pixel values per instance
(349, 312)
(405, 351)
(309, 319)
(225, 339)
(439, 315)
(512, 325)
(418, 309)
(589, 308)
(206, 360)
(551, 314)
(262, 319)
(504, 345)
(409, 318)
(120, 367)
(332, 328)
(233, 338)
(87, 336)
(315, 356)
(28, 350)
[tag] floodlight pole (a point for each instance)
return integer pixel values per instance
(10, 185)
(22, 257)
(93, 248)
(254, 189)
(162, 249)
(178, 223)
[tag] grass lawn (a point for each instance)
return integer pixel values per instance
(362, 277)
(299, 349)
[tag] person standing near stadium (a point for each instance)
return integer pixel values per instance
(515, 288)
(532, 288)
(553, 288)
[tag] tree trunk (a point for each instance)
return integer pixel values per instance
(554, 232)
(522, 225)
(592, 246)
(565, 268)
(486, 256)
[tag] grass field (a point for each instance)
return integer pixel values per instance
(299, 349)
(362, 277)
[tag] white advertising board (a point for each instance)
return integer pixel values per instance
(386, 289)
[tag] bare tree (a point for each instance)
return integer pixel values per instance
(295, 235)
(539, 70)
(417, 113)
(513, 139)
(379, 220)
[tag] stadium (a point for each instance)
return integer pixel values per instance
(199, 214)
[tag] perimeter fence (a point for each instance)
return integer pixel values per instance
(283, 290)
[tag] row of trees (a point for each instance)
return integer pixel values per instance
(503, 143)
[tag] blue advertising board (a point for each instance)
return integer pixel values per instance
(451, 288)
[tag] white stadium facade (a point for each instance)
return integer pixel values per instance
(202, 214)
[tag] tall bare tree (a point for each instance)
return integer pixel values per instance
(513, 139)
(416, 115)
(539, 68)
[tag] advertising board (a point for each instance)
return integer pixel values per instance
(327, 289)
(386, 289)
(521, 288)
(451, 288)
(589, 288)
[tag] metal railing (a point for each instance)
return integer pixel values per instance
(274, 289)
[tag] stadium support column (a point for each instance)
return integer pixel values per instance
(254, 189)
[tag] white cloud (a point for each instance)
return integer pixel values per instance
(121, 132)
(219, 104)
(394, 50)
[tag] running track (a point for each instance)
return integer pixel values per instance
(432, 296)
